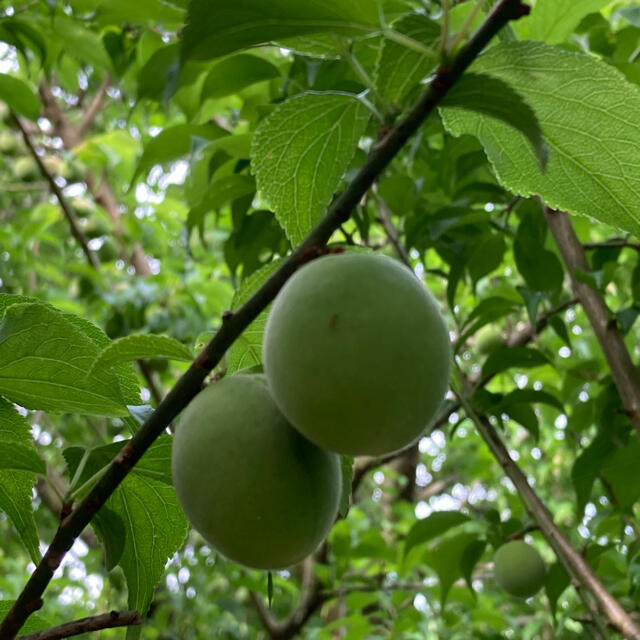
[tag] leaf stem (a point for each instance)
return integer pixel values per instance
(409, 43)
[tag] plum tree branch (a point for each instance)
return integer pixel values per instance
(624, 372)
(85, 625)
(68, 212)
(573, 561)
(30, 599)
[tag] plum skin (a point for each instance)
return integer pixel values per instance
(250, 484)
(519, 569)
(357, 354)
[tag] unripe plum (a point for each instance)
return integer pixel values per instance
(488, 338)
(256, 490)
(519, 569)
(357, 354)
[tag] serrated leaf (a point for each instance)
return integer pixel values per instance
(216, 29)
(300, 153)
(153, 525)
(492, 97)
(246, 352)
(173, 143)
(43, 363)
(400, 69)
(19, 96)
(508, 357)
(554, 20)
(434, 525)
(19, 462)
(135, 347)
(236, 73)
(588, 114)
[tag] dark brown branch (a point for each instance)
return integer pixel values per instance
(85, 625)
(68, 212)
(30, 599)
(624, 372)
(147, 374)
(615, 243)
(573, 561)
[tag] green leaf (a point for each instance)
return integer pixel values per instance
(35, 622)
(19, 96)
(554, 20)
(19, 462)
(141, 11)
(447, 560)
(620, 469)
(236, 73)
(508, 357)
(173, 143)
(153, 78)
(146, 505)
(346, 465)
(556, 581)
(489, 96)
(529, 396)
(300, 153)
(246, 351)
(400, 69)
(586, 469)
(588, 114)
(432, 526)
(44, 359)
(135, 347)
(219, 193)
(216, 29)
(470, 558)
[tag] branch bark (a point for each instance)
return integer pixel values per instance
(86, 625)
(30, 599)
(624, 372)
(575, 564)
(68, 212)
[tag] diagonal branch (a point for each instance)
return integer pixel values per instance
(93, 109)
(69, 214)
(30, 599)
(624, 372)
(85, 625)
(573, 561)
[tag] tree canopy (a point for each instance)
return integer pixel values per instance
(167, 165)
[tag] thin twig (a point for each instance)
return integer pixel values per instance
(69, 214)
(93, 109)
(30, 599)
(392, 232)
(86, 625)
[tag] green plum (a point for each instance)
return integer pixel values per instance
(357, 354)
(256, 490)
(26, 169)
(488, 338)
(519, 569)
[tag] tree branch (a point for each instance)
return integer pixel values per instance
(68, 212)
(573, 561)
(392, 232)
(85, 625)
(93, 109)
(30, 599)
(624, 372)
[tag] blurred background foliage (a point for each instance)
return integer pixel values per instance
(154, 160)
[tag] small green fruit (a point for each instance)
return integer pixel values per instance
(255, 489)
(487, 339)
(357, 354)
(25, 169)
(8, 142)
(519, 569)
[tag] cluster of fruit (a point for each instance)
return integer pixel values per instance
(356, 358)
